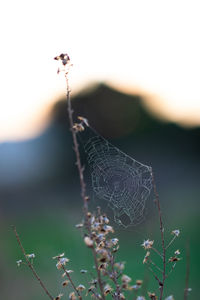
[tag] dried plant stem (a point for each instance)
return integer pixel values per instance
(30, 265)
(157, 202)
(114, 278)
(73, 285)
(82, 182)
(76, 149)
(187, 272)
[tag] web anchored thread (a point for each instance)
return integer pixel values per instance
(117, 178)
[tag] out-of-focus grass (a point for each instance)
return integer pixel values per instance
(53, 233)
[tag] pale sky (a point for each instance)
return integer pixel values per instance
(150, 46)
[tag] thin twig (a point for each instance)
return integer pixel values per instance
(82, 182)
(69, 277)
(187, 272)
(115, 277)
(30, 265)
(157, 201)
(156, 277)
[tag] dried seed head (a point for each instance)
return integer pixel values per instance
(134, 287)
(176, 232)
(174, 259)
(139, 282)
(61, 262)
(122, 297)
(84, 120)
(64, 58)
(78, 127)
(152, 296)
(92, 287)
(83, 271)
(126, 279)
(19, 262)
(88, 241)
(147, 244)
(32, 255)
(80, 287)
(107, 289)
(79, 225)
(58, 256)
(72, 296)
(146, 257)
(65, 283)
(59, 297)
(120, 265)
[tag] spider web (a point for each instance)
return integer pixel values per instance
(117, 178)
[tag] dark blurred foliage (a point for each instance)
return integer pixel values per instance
(39, 175)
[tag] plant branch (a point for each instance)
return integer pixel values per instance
(30, 265)
(157, 202)
(82, 182)
(187, 272)
(69, 277)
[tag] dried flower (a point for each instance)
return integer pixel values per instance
(92, 287)
(120, 265)
(146, 257)
(72, 296)
(107, 229)
(176, 232)
(107, 289)
(177, 252)
(83, 271)
(121, 296)
(84, 120)
(65, 283)
(62, 262)
(134, 287)
(152, 296)
(147, 244)
(173, 259)
(103, 266)
(59, 297)
(58, 256)
(114, 241)
(80, 287)
(139, 282)
(64, 58)
(169, 298)
(78, 127)
(32, 255)
(126, 279)
(19, 262)
(88, 241)
(79, 225)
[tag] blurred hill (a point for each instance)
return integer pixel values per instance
(41, 171)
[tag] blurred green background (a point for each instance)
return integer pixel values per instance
(40, 194)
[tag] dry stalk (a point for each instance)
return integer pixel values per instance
(163, 255)
(82, 182)
(29, 264)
